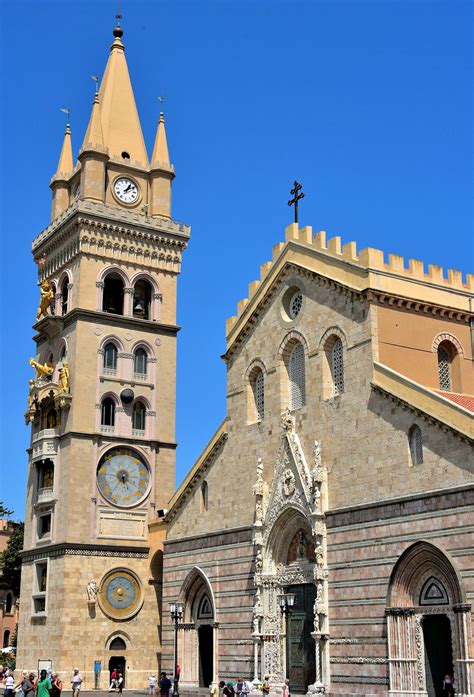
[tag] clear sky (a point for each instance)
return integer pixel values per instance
(368, 104)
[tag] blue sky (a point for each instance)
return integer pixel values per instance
(369, 104)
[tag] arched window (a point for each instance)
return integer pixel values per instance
(6, 638)
(337, 367)
(52, 307)
(296, 375)
(8, 603)
(113, 294)
(64, 296)
(142, 299)
(445, 358)
(138, 417)
(416, 445)
(139, 363)
(117, 644)
(110, 357)
(204, 502)
(258, 387)
(107, 419)
(51, 418)
(45, 474)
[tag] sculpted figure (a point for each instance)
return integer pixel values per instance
(259, 561)
(288, 482)
(46, 297)
(91, 591)
(63, 383)
(258, 511)
(42, 371)
(319, 591)
(302, 545)
(319, 552)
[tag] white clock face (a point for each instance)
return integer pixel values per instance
(126, 190)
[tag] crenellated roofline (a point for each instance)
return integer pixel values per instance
(363, 273)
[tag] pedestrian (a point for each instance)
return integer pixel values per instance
(76, 683)
(286, 688)
(119, 683)
(113, 680)
(266, 685)
(165, 685)
(152, 684)
(56, 685)
(221, 686)
(28, 685)
(228, 690)
(9, 682)
(448, 684)
(241, 688)
(43, 685)
(214, 689)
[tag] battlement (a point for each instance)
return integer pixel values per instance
(365, 264)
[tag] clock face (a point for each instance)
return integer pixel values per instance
(126, 190)
(120, 594)
(123, 478)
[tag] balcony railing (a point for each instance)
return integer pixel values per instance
(140, 432)
(107, 429)
(45, 494)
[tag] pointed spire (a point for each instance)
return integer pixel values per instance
(120, 122)
(94, 137)
(160, 150)
(65, 164)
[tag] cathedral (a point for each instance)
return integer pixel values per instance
(324, 534)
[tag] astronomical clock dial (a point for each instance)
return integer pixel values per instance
(120, 594)
(126, 190)
(123, 477)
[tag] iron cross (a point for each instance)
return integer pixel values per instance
(296, 197)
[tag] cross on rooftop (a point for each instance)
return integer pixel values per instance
(296, 197)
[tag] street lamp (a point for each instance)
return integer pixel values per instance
(286, 601)
(176, 610)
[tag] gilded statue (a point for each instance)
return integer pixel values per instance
(63, 382)
(42, 370)
(46, 298)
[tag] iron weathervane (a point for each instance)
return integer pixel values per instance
(296, 197)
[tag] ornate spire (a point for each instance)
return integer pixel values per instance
(160, 151)
(65, 164)
(121, 127)
(94, 138)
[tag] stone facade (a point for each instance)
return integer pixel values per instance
(336, 477)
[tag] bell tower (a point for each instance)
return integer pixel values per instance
(101, 402)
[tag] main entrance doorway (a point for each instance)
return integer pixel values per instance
(117, 663)
(438, 652)
(300, 652)
(206, 650)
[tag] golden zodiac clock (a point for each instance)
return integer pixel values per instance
(120, 594)
(123, 478)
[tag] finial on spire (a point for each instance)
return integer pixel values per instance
(66, 111)
(96, 80)
(118, 31)
(161, 99)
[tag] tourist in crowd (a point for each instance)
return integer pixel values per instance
(152, 684)
(119, 683)
(56, 685)
(113, 680)
(286, 688)
(266, 685)
(26, 686)
(228, 690)
(43, 685)
(165, 685)
(448, 684)
(9, 683)
(76, 682)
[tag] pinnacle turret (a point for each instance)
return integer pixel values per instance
(160, 155)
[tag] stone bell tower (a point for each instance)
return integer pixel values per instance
(101, 402)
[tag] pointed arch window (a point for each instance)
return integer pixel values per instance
(259, 394)
(110, 359)
(107, 420)
(8, 604)
(204, 497)
(140, 363)
(112, 300)
(117, 644)
(337, 367)
(52, 307)
(445, 356)
(138, 418)
(416, 445)
(296, 374)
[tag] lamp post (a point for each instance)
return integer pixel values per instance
(286, 601)
(176, 610)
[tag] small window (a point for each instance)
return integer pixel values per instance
(416, 445)
(41, 579)
(138, 417)
(117, 644)
(139, 363)
(44, 526)
(112, 300)
(64, 296)
(259, 395)
(8, 603)
(108, 413)
(126, 156)
(444, 366)
(51, 419)
(204, 504)
(296, 374)
(6, 638)
(337, 367)
(52, 307)
(39, 604)
(110, 357)
(296, 303)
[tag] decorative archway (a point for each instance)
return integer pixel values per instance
(425, 600)
(198, 640)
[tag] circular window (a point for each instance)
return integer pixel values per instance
(296, 304)
(292, 303)
(123, 477)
